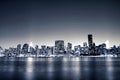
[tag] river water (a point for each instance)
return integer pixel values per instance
(82, 68)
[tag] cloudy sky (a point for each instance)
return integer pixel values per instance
(44, 21)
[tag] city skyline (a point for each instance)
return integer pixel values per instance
(42, 22)
(44, 42)
(61, 49)
(90, 42)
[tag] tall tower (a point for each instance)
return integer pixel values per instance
(90, 40)
(91, 45)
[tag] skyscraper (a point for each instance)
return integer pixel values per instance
(90, 40)
(25, 48)
(59, 45)
(18, 48)
(91, 45)
(69, 46)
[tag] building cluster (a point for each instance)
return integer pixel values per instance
(60, 49)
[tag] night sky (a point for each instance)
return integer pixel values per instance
(44, 21)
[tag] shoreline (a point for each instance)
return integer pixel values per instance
(57, 56)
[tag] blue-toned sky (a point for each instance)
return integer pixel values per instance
(44, 21)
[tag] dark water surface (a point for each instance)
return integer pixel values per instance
(83, 68)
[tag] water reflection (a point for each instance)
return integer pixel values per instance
(109, 68)
(29, 69)
(84, 68)
(71, 68)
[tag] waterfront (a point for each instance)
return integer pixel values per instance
(79, 68)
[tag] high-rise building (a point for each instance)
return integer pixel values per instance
(43, 49)
(31, 50)
(19, 49)
(91, 44)
(90, 40)
(59, 45)
(25, 48)
(69, 46)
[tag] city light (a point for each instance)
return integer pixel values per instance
(31, 44)
(29, 59)
(107, 44)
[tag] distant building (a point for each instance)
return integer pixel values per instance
(85, 44)
(19, 49)
(43, 49)
(77, 50)
(90, 40)
(25, 48)
(91, 44)
(1, 49)
(49, 50)
(59, 46)
(37, 50)
(69, 46)
(31, 50)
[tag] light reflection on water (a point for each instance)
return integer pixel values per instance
(83, 68)
(109, 68)
(29, 70)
